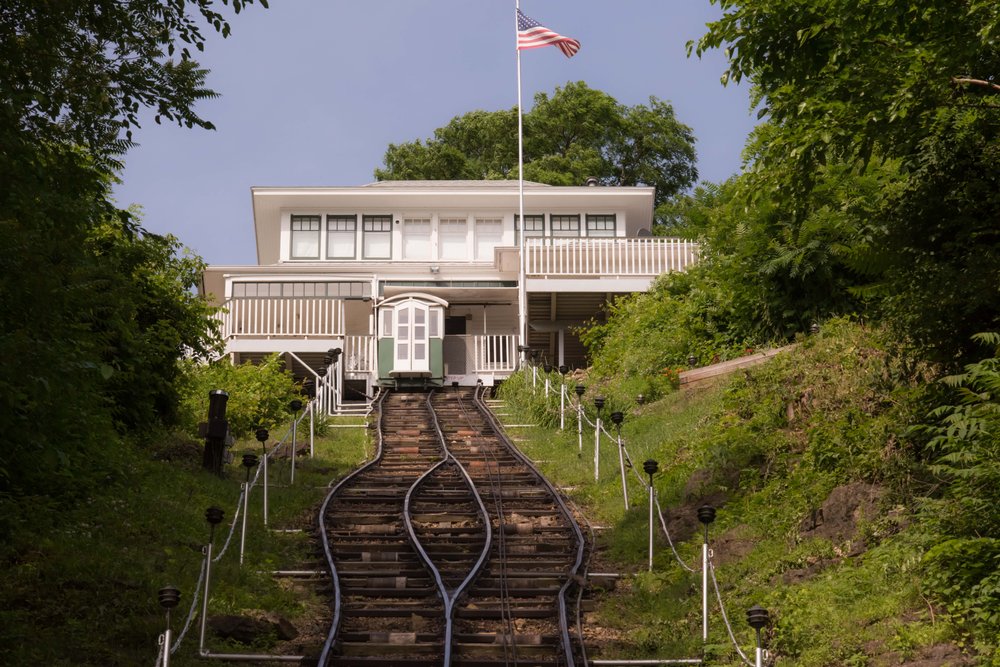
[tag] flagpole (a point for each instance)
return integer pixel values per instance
(522, 296)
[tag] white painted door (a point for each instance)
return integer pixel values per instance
(412, 344)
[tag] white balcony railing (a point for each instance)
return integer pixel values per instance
(494, 353)
(608, 257)
(277, 317)
(359, 355)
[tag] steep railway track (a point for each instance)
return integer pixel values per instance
(449, 548)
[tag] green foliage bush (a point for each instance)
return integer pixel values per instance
(259, 394)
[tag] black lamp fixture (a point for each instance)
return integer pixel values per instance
(758, 618)
(547, 367)
(309, 386)
(334, 353)
(579, 389)
(640, 399)
(599, 404)
(692, 360)
(169, 597)
(249, 461)
(321, 372)
(295, 405)
(650, 467)
(617, 418)
(214, 516)
(262, 436)
(563, 369)
(523, 349)
(813, 329)
(706, 514)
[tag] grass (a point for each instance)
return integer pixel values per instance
(81, 582)
(767, 447)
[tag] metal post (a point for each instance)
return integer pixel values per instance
(758, 618)
(562, 406)
(546, 387)
(294, 423)
(706, 515)
(534, 377)
(312, 428)
(621, 466)
(243, 530)
(166, 648)
(650, 467)
(760, 653)
(597, 449)
(214, 516)
(265, 489)
(579, 427)
(204, 601)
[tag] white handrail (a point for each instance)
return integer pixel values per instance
(608, 257)
(262, 316)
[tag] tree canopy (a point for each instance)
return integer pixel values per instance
(905, 87)
(574, 134)
(97, 312)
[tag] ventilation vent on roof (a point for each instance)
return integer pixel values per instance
(592, 181)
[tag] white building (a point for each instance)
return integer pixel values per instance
(418, 282)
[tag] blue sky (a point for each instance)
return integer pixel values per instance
(312, 92)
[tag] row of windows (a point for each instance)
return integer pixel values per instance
(376, 235)
(340, 290)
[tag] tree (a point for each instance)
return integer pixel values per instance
(576, 133)
(912, 84)
(96, 311)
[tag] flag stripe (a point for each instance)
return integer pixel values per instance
(532, 35)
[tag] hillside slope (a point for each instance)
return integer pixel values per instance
(828, 513)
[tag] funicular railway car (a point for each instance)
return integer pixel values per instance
(411, 341)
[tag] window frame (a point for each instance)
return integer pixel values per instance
(345, 218)
(300, 218)
(529, 217)
(385, 220)
(602, 218)
(559, 218)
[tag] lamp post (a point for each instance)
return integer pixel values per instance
(562, 396)
(214, 516)
(758, 618)
(169, 596)
(579, 389)
(599, 404)
(617, 418)
(548, 369)
(262, 436)
(650, 467)
(706, 515)
(294, 406)
(249, 461)
(334, 358)
(310, 388)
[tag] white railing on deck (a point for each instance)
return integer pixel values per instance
(608, 257)
(494, 353)
(250, 316)
(359, 355)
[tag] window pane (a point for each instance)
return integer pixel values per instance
(435, 326)
(387, 323)
(305, 237)
(453, 238)
(565, 225)
(489, 234)
(340, 236)
(402, 350)
(419, 351)
(377, 231)
(601, 226)
(239, 289)
(417, 239)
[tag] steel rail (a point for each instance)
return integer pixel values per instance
(337, 597)
(449, 597)
(563, 614)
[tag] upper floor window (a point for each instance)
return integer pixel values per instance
(341, 236)
(377, 236)
(416, 238)
(453, 238)
(565, 225)
(489, 234)
(305, 237)
(601, 226)
(534, 226)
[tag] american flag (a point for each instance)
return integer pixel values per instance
(533, 35)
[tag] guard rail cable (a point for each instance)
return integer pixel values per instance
(670, 541)
(193, 610)
(575, 571)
